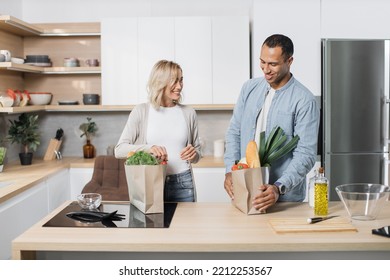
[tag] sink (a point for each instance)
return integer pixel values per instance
(5, 183)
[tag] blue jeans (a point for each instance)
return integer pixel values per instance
(179, 187)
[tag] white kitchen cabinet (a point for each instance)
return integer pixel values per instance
(193, 51)
(303, 26)
(119, 51)
(213, 52)
(351, 19)
(209, 185)
(19, 213)
(155, 42)
(79, 177)
(231, 59)
(58, 189)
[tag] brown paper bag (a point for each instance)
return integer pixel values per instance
(146, 187)
(246, 183)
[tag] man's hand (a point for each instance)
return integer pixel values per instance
(228, 184)
(266, 198)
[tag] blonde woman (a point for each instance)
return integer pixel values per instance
(167, 129)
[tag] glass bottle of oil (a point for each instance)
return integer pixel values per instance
(321, 194)
(311, 189)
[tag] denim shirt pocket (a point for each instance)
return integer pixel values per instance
(286, 121)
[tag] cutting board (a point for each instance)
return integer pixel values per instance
(288, 225)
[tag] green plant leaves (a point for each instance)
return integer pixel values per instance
(274, 147)
(88, 128)
(141, 158)
(24, 131)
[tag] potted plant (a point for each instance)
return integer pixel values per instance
(88, 129)
(24, 131)
(3, 151)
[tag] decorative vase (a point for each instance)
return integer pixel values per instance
(89, 150)
(25, 158)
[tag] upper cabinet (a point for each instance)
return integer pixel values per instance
(231, 58)
(193, 51)
(212, 51)
(304, 30)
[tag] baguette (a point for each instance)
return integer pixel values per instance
(252, 155)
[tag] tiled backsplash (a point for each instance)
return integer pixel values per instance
(212, 126)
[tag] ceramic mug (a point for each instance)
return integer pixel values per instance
(92, 62)
(7, 55)
(219, 148)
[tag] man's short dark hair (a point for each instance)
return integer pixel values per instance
(279, 40)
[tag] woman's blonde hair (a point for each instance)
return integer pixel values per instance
(164, 74)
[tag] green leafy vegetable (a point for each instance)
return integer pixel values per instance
(274, 147)
(142, 158)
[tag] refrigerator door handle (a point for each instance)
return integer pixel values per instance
(386, 112)
(386, 172)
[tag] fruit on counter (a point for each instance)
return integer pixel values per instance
(252, 155)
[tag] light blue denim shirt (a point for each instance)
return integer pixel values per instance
(295, 110)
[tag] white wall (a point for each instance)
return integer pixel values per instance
(95, 10)
(11, 7)
(355, 19)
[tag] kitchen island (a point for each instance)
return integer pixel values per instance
(209, 231)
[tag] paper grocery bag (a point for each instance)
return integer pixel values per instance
(146, 187)
(246, 183)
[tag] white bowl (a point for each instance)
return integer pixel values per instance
(40, 98)
(17, 60)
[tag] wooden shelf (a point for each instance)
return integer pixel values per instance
(103, 108)
(31, 32)
(49, 70)
(88, 108)
(18, 27)
(24, 109)
(71, 70)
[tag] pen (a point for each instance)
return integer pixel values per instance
(319, 219)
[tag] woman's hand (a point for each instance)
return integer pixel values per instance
(188, 153)
(159, 152)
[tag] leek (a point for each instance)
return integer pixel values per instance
(275, 147)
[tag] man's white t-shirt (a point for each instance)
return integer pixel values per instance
(262, 119)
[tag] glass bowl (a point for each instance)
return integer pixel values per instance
(363, 201)
(89, 201)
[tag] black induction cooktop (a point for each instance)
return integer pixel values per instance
(133, 218)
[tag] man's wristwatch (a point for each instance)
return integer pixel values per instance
(281, 188)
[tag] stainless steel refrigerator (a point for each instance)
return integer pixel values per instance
(355, 111)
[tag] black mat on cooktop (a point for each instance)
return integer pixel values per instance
(134, 218)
